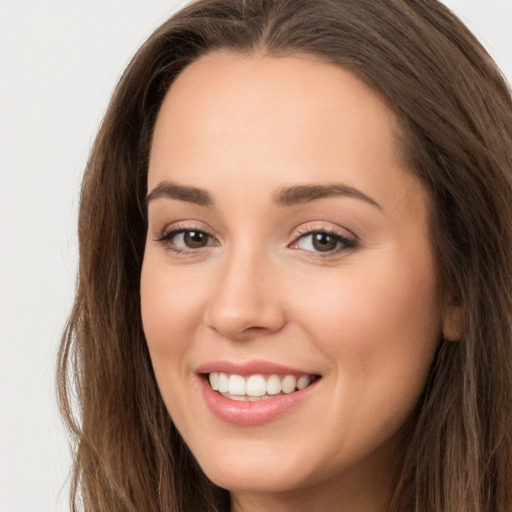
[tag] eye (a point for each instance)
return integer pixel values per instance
(323, 242)
(191, 239)
(185, 240)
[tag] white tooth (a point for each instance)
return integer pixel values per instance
(242, 398)
(273, 385)
(237, 385)
(239, 398)
(288, 384)
(223, 383)
(303, 382)
(214, 380)
(256, 385)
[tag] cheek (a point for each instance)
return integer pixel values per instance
(171, 311)
(379, 327)
(170, 302)
(373, 307)
(374, 317)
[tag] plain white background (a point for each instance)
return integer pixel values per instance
(59, 61)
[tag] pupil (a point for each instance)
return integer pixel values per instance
(195, 239)
(324, 242)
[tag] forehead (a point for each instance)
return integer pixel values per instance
(293, 119)
(273, 96)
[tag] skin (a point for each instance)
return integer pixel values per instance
(366, 318)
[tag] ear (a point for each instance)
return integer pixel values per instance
(452, 320)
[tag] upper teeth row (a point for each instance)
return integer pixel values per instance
(257, 385)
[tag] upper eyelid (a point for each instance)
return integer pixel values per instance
(348, 239)
(341, 237)
(167, 233)
(166, 236)
(307, 229)
(297, 232)
(186, 226)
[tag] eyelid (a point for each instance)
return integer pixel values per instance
(346, 239)
(177, 226)
(166, 234)
(322, 226)
(349, 240)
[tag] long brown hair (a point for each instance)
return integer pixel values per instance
(455, 112)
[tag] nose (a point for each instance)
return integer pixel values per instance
(245, 302)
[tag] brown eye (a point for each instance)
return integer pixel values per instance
(195, 239)
(180, 240)
(324, 242)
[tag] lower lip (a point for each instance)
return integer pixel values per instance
(252, 413)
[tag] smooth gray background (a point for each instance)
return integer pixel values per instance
(59, 61)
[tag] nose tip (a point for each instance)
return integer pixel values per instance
(241, 322)
(245, 304)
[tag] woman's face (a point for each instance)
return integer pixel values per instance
(287, 247)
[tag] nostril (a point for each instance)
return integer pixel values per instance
(255, 329)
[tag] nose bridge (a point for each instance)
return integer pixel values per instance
(245, 299)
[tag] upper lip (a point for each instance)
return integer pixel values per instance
(250, 368)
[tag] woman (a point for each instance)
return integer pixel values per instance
(295, 282)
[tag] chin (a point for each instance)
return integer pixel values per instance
(256, 471)
(254, 480)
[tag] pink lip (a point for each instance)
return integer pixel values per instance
(250, 368)
(251, 413)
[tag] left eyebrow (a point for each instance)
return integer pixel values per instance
(301, 194)
(170, 190)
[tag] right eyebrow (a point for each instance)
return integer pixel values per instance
(171, 190)
(301, 194)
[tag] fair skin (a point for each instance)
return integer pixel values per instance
(335, 284)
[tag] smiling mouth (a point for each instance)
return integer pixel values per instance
(256, 387)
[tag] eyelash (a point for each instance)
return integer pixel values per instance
(166, 236)
(345, 243)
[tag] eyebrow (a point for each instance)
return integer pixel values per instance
(301, 194)
(170, 190)
(288, 196)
